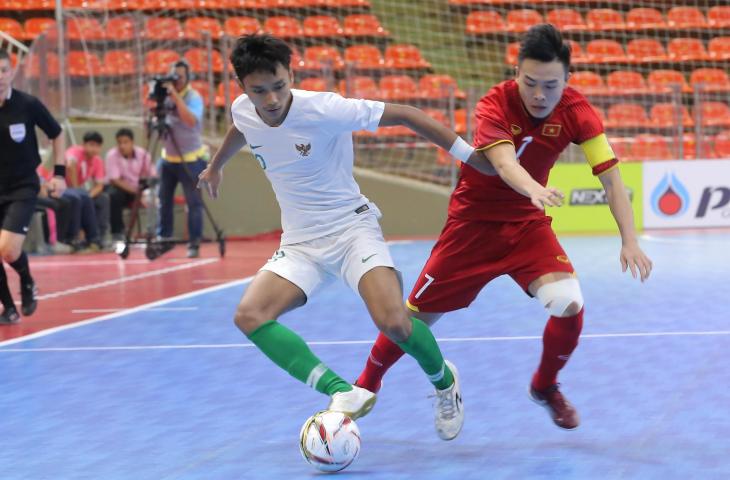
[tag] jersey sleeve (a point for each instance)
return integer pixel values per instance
(592, 139)
(113, 171)
(45, 120)
(349, 114)
(492, 126)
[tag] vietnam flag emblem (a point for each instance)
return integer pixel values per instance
(551, 129)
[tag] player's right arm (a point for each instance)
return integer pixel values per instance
(211, 177)
(503, 158)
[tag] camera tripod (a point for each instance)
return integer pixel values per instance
(158, 129)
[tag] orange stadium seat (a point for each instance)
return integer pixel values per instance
(511, 53)
(621, 147)
(627, 115)
(163, 28)
(712, 79)
(566, 19)
(238, 26)
(321, 57)
(439, 86)
(667, 79)
(12, 27)
(588, 83)
(203, 88)
(158, 62)
(460, 120)
(314, 84)
(683, 49)
(398, 87)
(322, 26)
(485, 21)
(689, 146)
(83, 64)
(36, 26)
(284, 27)
(718, 48)
(195, 26)
(576, 52)
(719, 17)
(626, 82)
(197, 58)
(363, 25)
(120, 28)
(119, 62)
(715, 113)
(50, 64)
(359, 87)
(604, 19)
(665, 115)
(602, 51)
(645, 18)
(648, 146)
(641, 50)
(686, 17)
(364, 56)
(84, 28)
(404, 56)
(722, 144)
(234, 90)
(521, 20)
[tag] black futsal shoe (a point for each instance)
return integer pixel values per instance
(29, 298)
(9, 316)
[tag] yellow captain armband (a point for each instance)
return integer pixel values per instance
(599, 154)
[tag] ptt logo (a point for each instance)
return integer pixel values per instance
(670, 197)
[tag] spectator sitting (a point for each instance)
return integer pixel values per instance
(126, 165)
(64, 208)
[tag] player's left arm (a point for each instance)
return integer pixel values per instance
(418, 121)
(597, 151)
(57, 183)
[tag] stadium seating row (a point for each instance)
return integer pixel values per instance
(181, 4)
(598, 19)
(648, 146)
(663, 115)
(120, 28)
(626, 82)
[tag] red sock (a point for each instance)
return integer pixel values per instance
(558, 342)
(383, 355)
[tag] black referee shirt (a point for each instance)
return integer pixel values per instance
(19, 116)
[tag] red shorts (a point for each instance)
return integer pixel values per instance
(470, 254)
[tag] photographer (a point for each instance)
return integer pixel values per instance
(183, 157)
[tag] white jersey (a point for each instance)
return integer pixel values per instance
(309, 158)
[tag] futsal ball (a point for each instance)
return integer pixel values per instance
(329, 441)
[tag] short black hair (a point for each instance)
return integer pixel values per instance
(93, 136)
(543, 42)
(4, 55)
(260, 52)
(182, 63)
(125, 132)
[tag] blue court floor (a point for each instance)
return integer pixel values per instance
(176, 392)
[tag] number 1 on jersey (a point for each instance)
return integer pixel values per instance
(525, 142)
(429, 281)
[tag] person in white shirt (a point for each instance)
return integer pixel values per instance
(303, 142)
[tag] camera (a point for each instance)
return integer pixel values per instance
(158, 92)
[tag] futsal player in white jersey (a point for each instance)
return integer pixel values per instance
(303, 142)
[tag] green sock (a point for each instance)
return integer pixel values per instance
(287, 349)
(422, 346)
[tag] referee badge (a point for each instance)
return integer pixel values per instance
(17, 132)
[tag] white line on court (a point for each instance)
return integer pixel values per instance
(157, 309)
(110, 316)
(131, 278)
(358, 342)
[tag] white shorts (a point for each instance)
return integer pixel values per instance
(348, 254)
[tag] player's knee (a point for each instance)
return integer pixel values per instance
(562, 298)
(248, 319)
(9, 253)
(394, 324)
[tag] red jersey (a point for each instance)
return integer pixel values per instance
(501, 117)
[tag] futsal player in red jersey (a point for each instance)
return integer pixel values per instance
(496, 221)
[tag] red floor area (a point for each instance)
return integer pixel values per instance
(79, 287)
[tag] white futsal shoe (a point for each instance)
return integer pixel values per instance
(355, 404)
(449, 408)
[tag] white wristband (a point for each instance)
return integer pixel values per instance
(461, 150)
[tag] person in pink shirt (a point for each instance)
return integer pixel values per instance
(126, 165)
(85, 177)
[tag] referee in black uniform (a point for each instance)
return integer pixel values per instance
(20, 114)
